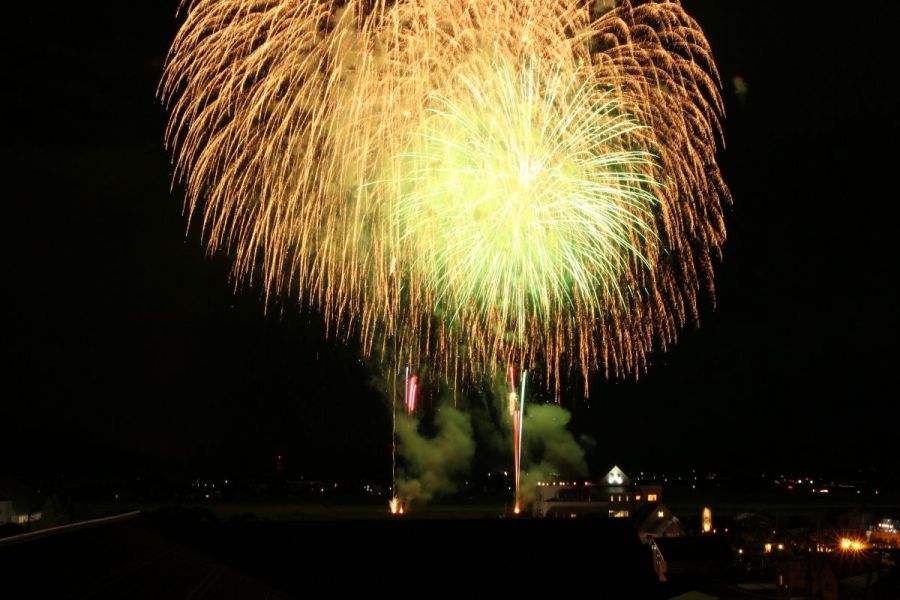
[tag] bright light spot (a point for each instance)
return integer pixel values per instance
(849, 544)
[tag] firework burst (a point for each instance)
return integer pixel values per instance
(468, 183)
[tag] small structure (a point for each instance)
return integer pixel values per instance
(625, 497)
(886, 534)
(615, 496)
(656, 521)
(6, 511)
(19, 505)
(569, 500)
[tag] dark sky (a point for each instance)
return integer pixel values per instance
(125, 346)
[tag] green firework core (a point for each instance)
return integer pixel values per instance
(523, 189)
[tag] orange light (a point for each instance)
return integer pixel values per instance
(854, 545)
(395, 506)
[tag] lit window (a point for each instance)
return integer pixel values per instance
(638, 497)
(660, 514)
(651, 497)
(626, 498)
(610, 498)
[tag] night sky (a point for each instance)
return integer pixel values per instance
(127, 349)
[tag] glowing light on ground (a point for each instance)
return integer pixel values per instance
(395, 506)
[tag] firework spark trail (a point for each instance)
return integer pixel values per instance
(410, 391)
(517, 415)
(515, 418)
(406, 389)
(411, 395)
(466, 183)
(410, 388)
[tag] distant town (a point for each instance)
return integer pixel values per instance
(776, 535)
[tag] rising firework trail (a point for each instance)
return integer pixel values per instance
(394, 503)
(517, 415)
(410, 395)
(465, 183)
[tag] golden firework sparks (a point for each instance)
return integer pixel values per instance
(524, 182)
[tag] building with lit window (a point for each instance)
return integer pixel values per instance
(615, 496)
(19, 505)
(625, 497)
(8, 514)
(6, 511)
(569, 500)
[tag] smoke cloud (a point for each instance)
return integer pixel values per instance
(434, 456)
(551, 451)
(433, 465)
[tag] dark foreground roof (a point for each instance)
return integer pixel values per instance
(150, 558)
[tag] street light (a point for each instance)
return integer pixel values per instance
(851, 545)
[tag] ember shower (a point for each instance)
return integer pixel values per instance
(465, 183)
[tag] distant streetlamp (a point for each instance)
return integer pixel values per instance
(851, 545)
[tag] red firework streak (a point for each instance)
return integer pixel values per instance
(410, 389)
(517, 412)
(409, 392)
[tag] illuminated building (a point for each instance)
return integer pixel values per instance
(9, 514)
(615, 496)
